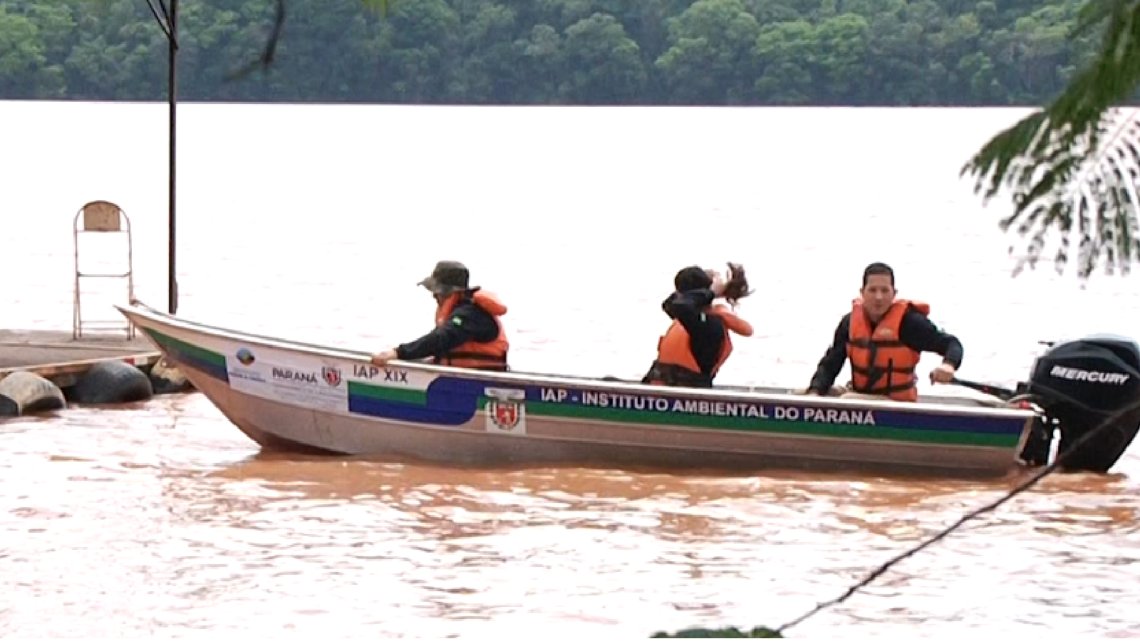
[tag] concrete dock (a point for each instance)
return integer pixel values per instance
(60, 359)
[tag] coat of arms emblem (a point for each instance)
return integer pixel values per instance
(506, 410)
(505, 414)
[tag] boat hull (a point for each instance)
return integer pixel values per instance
(288, 395)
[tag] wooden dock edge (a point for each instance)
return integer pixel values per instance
(64, 374)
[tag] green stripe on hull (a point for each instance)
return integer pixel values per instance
(805, 428)
(194, 351)
(394, 394)
(419, 398)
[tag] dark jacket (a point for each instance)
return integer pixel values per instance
(916, 332)
(467, 322)
(706, 331)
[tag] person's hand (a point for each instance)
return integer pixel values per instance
(944, 373)
(383, 357)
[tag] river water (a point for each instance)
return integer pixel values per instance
(314, 222)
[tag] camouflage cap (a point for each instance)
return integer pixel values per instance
(447, 277)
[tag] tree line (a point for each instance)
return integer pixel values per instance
(669, 52)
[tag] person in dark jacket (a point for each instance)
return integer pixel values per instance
(467, 332)
(697, 342)
(883, 338)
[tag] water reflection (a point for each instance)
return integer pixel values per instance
(462, 503)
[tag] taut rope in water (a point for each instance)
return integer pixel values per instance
(1045, 471)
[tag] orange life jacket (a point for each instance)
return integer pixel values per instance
(880, 363)
(473, 354)
(676, 365)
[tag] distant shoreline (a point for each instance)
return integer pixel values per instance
(507, 53)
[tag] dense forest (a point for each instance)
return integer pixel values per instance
(712, 52)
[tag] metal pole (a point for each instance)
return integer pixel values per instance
(172, 284)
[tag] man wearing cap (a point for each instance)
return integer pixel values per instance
(698, 342)
(467, 333)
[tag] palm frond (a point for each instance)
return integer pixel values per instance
(1073, 165)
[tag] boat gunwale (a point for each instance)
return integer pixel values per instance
(555, 380)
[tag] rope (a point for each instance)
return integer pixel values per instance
(1045, 471)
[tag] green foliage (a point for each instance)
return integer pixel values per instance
(715, 52)
(380, 6)
(721, 633)
(1073, 166)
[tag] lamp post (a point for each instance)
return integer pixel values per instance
(167, 20)
(172, 90)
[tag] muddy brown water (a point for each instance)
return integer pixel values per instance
(161, 518)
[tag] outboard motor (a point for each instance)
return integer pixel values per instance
(1080, 384)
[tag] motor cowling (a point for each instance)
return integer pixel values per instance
(1080, 385)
